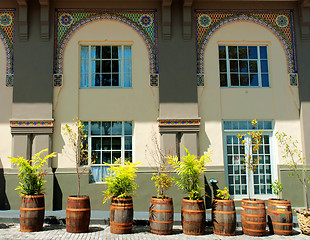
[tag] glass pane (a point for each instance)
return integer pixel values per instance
(237, 169)
(96, 143)
(243, 66)
(232, 51)
(268, 169)
(98, 66)
(256, 179)
(115, 66)
(223, 80)
(84, 80)
(265, 80)
(106, 79)
(244, 80)
(116, 128)
(116, 143)
(230, 169)
(106, 128)
(127, 52)
(93, 52)
(229, 159)
(228, 126)
(267, 159)
(243, 168)
(229, 139)
(116, 155)
(98, 55)
(229, 150)
(233, 65)
(267, 125)
(106, 66)
(256, 189)
(127, 66)
(237, 188)
(128, 128)
(106, 157)
(254, 80)
(222, 52)
(95, 128)
(84, 66)
(263, 52)
(128, 156)
(262, 179)
(267, 149)
(252, 52)
(95, 174)
(243, 125)
(98, 80)
(244, 189)
(253, 66)
(237, 179)
(243, 52)
(84, 52)
(115, 51)
(231, 190)
(128, 143)
(243, 179)
(264, 66)
(235, 139)
(261, 169)
(223, 66)
(96, 157)
(234, 80)
(106, 52)
(263, 189)
(106, 143)
(127, 80)
(269, 190)
(115, 80)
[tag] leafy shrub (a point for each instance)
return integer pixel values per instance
(223, 194)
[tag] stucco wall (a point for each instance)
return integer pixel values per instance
(6, 112)
(280, 102)
(138, 104)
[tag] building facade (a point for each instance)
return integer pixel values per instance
(190, 73)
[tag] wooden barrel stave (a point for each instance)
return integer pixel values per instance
(193, 216)
(253, 217)
(78, 214)
(121, 215)
(224, 217)
(32, 212)
(280, 218)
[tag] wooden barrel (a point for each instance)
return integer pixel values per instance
(161, 216)
(121, 215)
(224, 217)
(193, 216)
(280, 218)
(253, 217)
(32, 211)
(78, 214)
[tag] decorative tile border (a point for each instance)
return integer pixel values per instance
(280, 22)
(32, 123)
(154, 80)
(7, 34)
(293, 79)
(200, 80)
(58, 80)
(179, 122)
(68, 21)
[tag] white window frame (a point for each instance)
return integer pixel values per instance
(250, 182)
(259, 72)
(121, 73)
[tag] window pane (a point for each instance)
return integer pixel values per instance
(264, 66)
(228, 126)
(84, 66)
(95, 174)
(116, 128)
(265, 80)
(128, 156)
(234, 80)
(254, 80)
(223, 66)
(106, 143)
(128, 143)
(127, 66)
(243, 52)
(96, 143)
(106, 66)
(233, 66)
(115, 66)
(115, 80)
(95, 128)
(106, 52)
(128, 128)
(106, 128)
(232, 51)
(115, 52)
(116, 143)
(253, 66)
(106, 157)
(127, 80)
(244, 80)
(84, 52)
(96, 157)
(97, 53)
(252, 52)
(84, 80)
(263, 52)
(243, 66)
(116, 155)
(223, 80)
(93, 52)
(222, 52)
(98, 66)
(127, 52)
(106, 79)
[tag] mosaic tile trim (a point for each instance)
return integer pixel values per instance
(179, 122)
(280, 22)
(7, 34)
(9, 80)
(58, 80)
(154, 80)
(68, 21)
(32, 124)
(293, 79)
(200, 80)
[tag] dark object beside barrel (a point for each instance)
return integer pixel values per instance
(224, 217)
(121, 215)
(32, 211)
(193, 216)
(161, 215)
(253, 217)
(280, 218)
(78, 214)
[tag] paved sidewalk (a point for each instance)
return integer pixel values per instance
(11, 231)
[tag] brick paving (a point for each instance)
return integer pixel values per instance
(11, 231)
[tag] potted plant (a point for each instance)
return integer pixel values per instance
(31, 186)
(189, 171)
(253, 211)
(121, 187)
(161, 206)
(296, 165)
(279, 212)
(223, 214)
(78, 206)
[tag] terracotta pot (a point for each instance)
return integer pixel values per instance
(224, 217)
(161, 215)
(78, 214)
(32, 210)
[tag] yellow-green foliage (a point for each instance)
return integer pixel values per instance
(189, 171)
(31, 174)
(223, 194)
(276, 187)
(121, 181)
(162, 183)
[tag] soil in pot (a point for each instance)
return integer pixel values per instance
(78, 214)
(193, 216)
(253, 217)
(224, 217)
(121, 215)
(32, 210)
(161, 215)
(280, 219)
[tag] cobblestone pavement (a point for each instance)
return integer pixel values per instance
(11, 231)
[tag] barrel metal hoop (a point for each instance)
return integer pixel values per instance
(254, 215)
(194, 211)
(32, 209)
(280, 212)
(253, 230)
(160, 221)
(121, 207)
(254, 207)
(122, 204)
(160, 210)
(120, 224)
(121, 228)
(189, 222)
(224, 224)
(78, 210)
(230, 212)
(282, 224)
(253, 223)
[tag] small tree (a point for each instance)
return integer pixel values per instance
(77, 138)
(31, 173)
(296, 161)
(252, 146)
(189, 171)
(277, 188)
(223, 194)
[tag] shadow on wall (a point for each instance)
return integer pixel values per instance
(57, 193)
(4, 203)
(209, 190)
